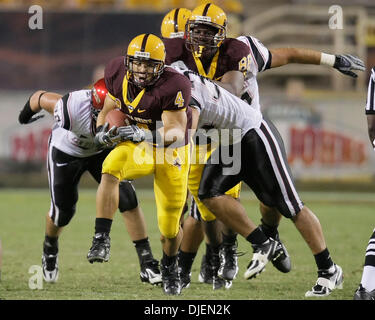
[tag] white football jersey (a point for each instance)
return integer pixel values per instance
(259, 60)
(74, 128)
(219, 109)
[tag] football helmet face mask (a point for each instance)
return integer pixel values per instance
(174, 22)
(145, 60)
(98, 93)
(206, 29)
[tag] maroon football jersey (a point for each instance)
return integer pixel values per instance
(170, 92)
(230, 56)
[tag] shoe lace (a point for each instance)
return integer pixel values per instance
(100, 240)
(170, 273)
(230, 251)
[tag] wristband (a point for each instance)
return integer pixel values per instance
(327, 59)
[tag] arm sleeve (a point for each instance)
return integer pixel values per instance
(260, 56)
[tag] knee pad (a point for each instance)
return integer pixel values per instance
(64, 216)
(127, 196)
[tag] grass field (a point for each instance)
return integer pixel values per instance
(347, 220)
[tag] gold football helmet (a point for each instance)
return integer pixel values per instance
(145, 59)
(173, 25)
(212, 17)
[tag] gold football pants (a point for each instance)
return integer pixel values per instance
(170, 167)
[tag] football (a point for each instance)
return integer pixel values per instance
(117, 118)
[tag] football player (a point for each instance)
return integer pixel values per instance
(151, 95)
(174, 22)
(366, 289)
(207, 51)
(259, 160)
(259, 60)
(72, 150)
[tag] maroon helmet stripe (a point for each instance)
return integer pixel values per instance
(176, 20)
(206, 9)
(144, 41)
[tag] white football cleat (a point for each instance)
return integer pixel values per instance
(328, 280)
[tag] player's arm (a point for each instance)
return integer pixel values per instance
(344, 63)
(109, 105)
(174, 126)
(39, 100)
(232, 81)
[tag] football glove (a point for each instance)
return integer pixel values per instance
(105, 138)
(346, 62)
(132, 133)
(27, 115)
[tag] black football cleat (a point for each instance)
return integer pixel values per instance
(185, 278)
(171, 279)
(50, 267)
(150, 272)
(362, 294)
(228, 262)
(281, 260)
(262, 254)
(100, 249)
(205, 273)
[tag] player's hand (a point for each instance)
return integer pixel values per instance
(106, 138)
(132, 133)
(345, 63)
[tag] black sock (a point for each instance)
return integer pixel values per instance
(257, 237)
(229, 239)
(167, 260)
(50, 245)
(211, 250)
(269, 231)
(143, 250)
(185, 260)
(323, 260)
(103, 225)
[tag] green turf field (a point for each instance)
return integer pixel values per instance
(347, 220)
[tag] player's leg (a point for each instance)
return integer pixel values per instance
(274, 186)
(193, 237)
(211, 259)
(136, 226)
(228, 252)
(134, 222)
(366, 289)
(64, 173)
(126, 161)
(170, 187)
(271, 217)
(269, 225)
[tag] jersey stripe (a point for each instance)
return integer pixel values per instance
(257, 54)
(66, 121)
(291, 197)
(370, 108)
